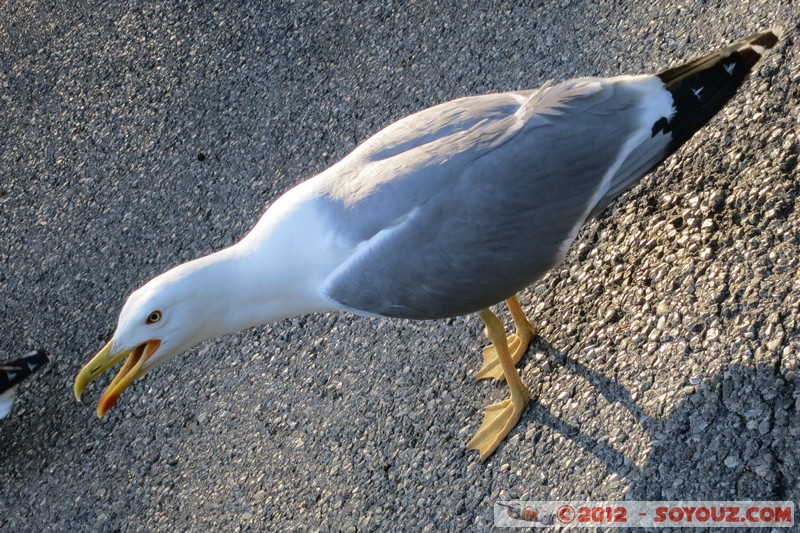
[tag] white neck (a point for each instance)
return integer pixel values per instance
(271, 274)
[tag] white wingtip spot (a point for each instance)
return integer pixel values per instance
(697, 92)
(729, 68)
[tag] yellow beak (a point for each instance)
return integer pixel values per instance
(130, 371)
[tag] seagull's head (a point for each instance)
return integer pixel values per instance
(166, 316)
(235, 288)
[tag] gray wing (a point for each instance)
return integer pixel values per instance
(462, 205)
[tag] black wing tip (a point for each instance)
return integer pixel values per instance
(748, 51)
(766, 39)
(751, 49)
(15, 371)
(36, 356)
(701, 87)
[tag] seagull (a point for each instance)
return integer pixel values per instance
(14, 372)
(445, 212)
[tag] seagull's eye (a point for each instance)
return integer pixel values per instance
(153, 317)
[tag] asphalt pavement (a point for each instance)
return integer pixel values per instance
(138, 135)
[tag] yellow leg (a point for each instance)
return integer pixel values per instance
(517, 343)
(500, 418)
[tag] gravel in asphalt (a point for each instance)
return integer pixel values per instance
(137, 135)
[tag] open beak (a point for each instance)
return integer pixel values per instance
(130, 371)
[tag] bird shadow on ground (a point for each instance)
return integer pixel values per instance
(733, 437)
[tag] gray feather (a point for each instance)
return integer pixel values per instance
(459, 206)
